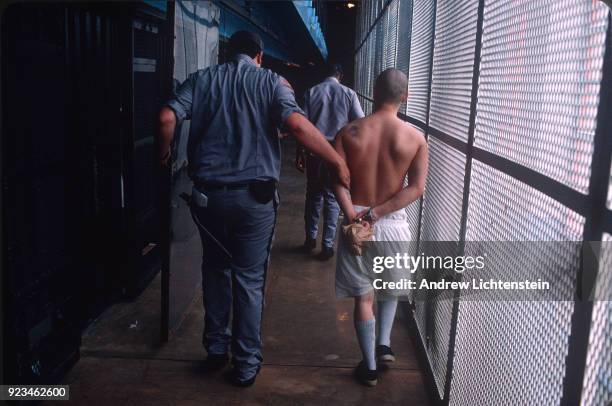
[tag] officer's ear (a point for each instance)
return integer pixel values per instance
(259, 58)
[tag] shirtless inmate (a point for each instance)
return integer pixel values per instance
(380, 150)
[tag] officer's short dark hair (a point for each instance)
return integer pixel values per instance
(333, 69)
(391, 87)
(245, 42)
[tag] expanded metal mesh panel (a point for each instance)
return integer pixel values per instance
(366, 18)
(597, 388)
(609, 203)
(519, 347)
(413, 218)
(403, 39)
(444, 193)
(433, 315)
(361, 21)
(391, 34)
(370, 63)
(420, 317)
(441, 220)
(369, 58)
(502, 208)
(360, 71)
(420, 58)
(366, 105)
(453, 64)
(379, 6)
(358, 68)
(379, 49)
(510, 353)
(404, 34)
(539, 82)
(442, 310)
(383, 41)
(413, 210)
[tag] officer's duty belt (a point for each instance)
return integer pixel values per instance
(223, 186)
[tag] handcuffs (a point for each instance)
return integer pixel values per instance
(370, 217)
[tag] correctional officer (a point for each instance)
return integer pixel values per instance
(234, 152)
(330, 106)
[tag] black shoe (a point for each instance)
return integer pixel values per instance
(326, 253)
(309, 245)
(215, 362)
(384, 354)
(236, 381)
(368, 377)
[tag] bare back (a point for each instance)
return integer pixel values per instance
(379, 151)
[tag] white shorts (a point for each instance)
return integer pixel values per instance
(353, 274)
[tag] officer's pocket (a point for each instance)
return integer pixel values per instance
(263, 191)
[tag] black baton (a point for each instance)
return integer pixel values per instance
(189, 201)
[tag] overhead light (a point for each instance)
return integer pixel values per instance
(350, 5)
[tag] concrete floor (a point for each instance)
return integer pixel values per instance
(309, 342)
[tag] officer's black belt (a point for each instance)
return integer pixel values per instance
(223, 186)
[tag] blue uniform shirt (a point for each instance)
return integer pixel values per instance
(235, 111)
(330, 106)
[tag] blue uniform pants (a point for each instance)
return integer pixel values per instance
(319, 194)
(235, 287)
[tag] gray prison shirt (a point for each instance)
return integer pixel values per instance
(330, 106)
(235, 111)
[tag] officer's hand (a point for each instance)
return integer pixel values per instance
(344, 176)
(300, 161)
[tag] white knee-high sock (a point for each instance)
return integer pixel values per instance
(386, 315)
(366, 335)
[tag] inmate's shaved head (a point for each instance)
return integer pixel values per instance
(391, 87)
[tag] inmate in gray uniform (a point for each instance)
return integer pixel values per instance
(329, 106)
(235, 110)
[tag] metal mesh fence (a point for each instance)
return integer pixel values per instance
(444, 193)
(502, 208)
(390, 36)
(524, 343)
(597, 387)
(453, 64)
(484, 373)
(440, 222)
(521, 135)
(609, 204)
(404, 39)
(420, 58)
(539, 81)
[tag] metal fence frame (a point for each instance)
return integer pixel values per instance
(598, 218)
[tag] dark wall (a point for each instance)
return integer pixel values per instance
(78, 185)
